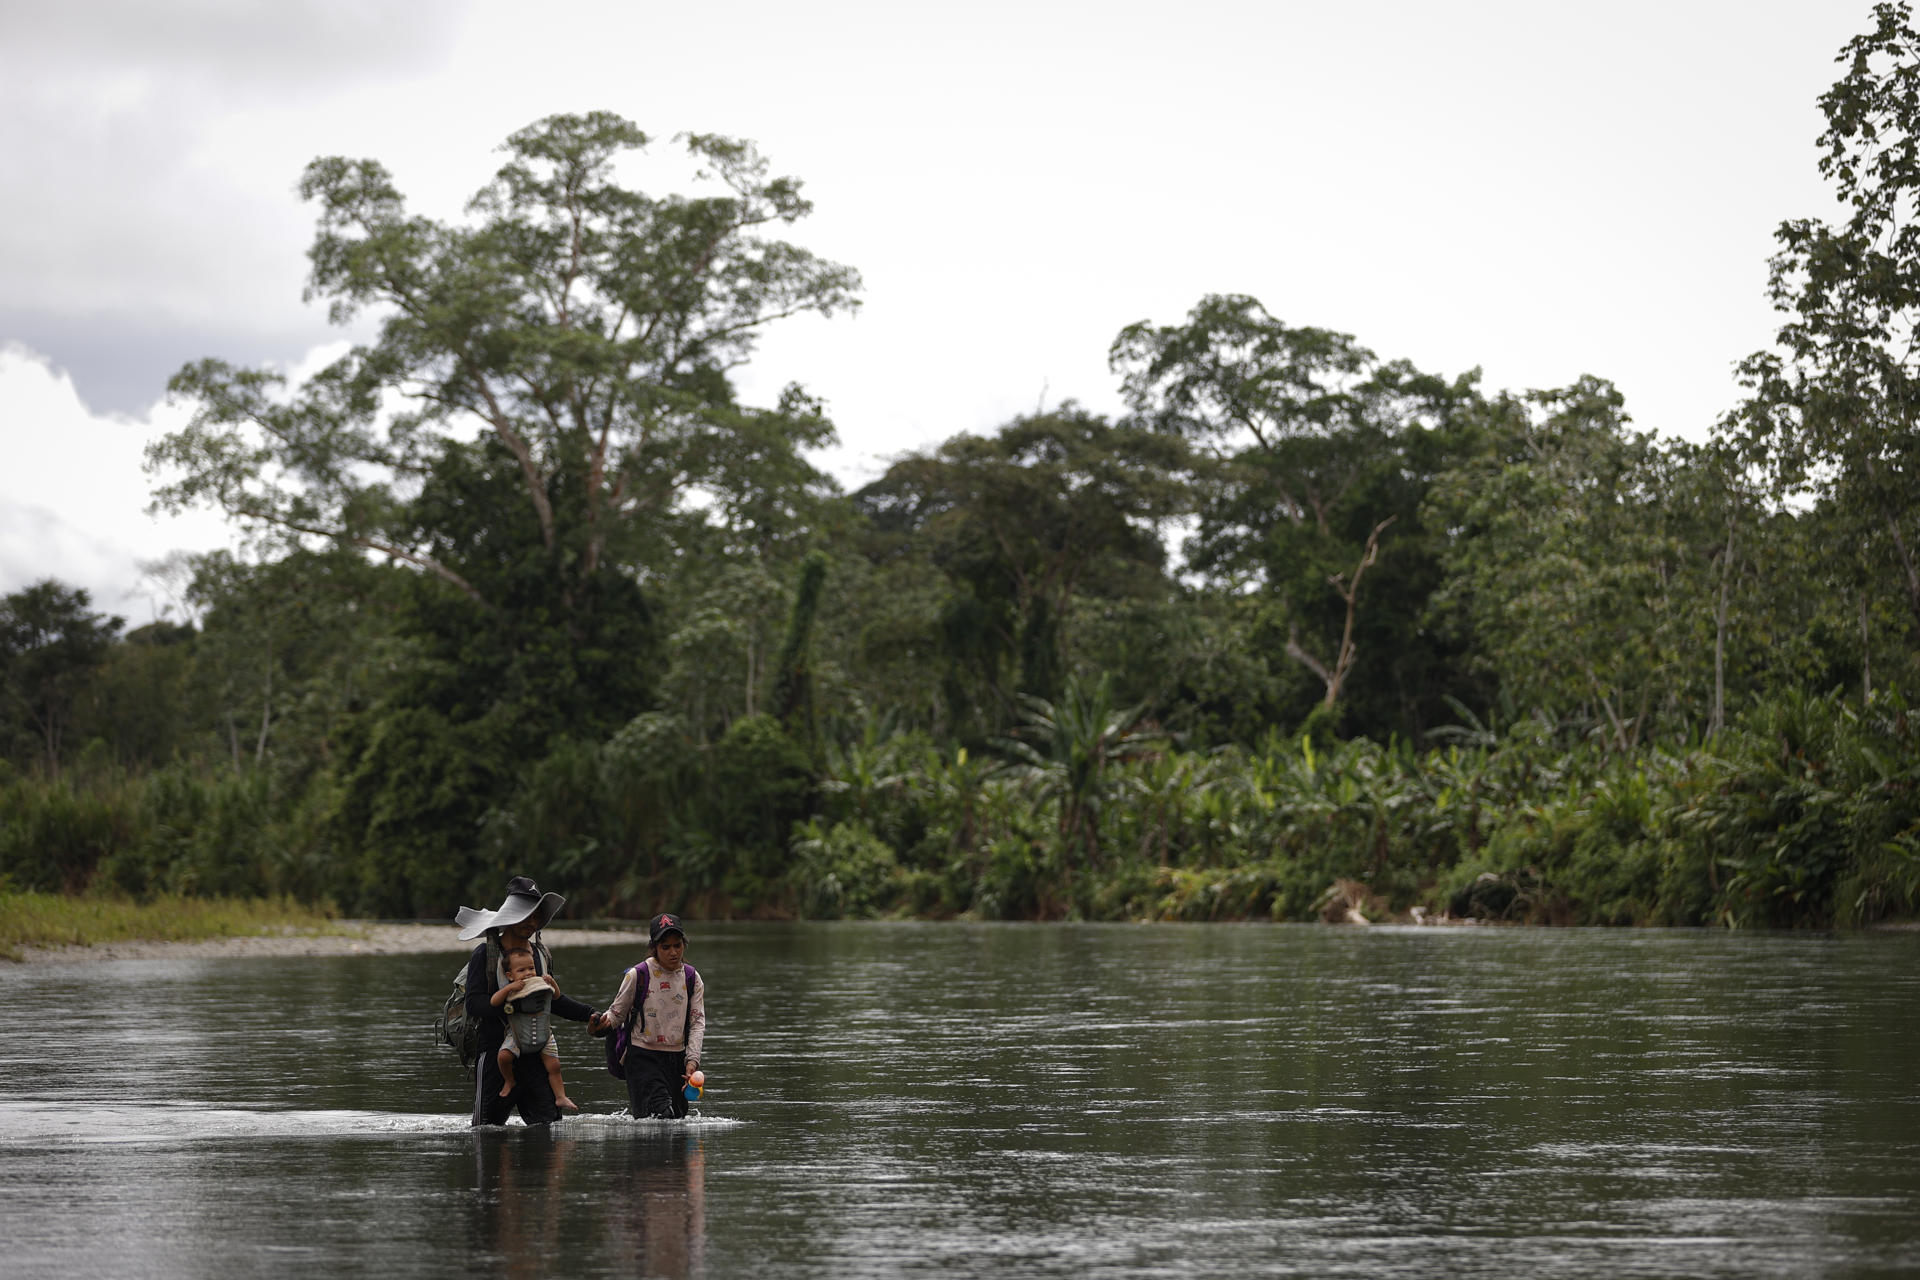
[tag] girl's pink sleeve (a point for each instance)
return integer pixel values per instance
(697, 1032)
(623, 1003)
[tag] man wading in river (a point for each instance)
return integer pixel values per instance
(515, 925)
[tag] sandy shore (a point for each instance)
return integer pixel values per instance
(373, 938)
(353, 938)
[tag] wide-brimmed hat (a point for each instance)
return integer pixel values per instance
(664, 925)
(524, 899)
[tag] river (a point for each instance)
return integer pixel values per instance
(1002, 1100)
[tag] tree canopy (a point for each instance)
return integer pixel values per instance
(580, 331)
(1306, 631)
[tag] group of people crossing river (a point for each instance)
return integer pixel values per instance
(656, 1024)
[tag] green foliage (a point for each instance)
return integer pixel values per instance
(843, 870)
(1317, 457)
(53, 835)
(1064, 753)
(142, 703)
(793, 696)
(1022, 524)
(535, 592)
(583, 329)
(761, 782)
(1816, 798)
(1834, 408)
(415, 788)
(50, 642)
(210, 832)
(719, 653)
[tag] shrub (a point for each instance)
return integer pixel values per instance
(844, 870)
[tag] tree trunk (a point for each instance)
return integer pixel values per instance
(750, 669)
(1718, 719)
(266, 712)
(50, 735)
(1906, 563)
(1606, 707)
(1351, 594)
(1907, 567)
(1866, 655)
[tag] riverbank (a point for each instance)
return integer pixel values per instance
(60, 928)
(339, 938)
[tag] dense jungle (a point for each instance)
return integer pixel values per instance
(1305, 632)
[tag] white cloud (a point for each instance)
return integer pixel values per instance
(239, 46)
(72, 495)
(1541, 190)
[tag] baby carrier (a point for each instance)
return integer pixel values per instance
(530, 1017)
(461, 1033)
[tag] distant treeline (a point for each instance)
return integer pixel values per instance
(1304, 632)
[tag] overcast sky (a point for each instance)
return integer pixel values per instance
(1542, 190)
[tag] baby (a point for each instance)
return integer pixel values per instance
(529, 1028)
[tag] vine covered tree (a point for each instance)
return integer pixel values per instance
(1049, 508)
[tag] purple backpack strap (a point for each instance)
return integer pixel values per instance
(622, 1036)
(693, 985)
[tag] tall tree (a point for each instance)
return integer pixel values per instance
(289, 646)
(1835, 409)
(1598, 572)
(1319, 456)
(544, 421)
(792, 700)
(586, 331)
(1023, 521)
(50, 643)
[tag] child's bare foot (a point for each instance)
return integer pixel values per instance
(506, 1090)
(565, 1103)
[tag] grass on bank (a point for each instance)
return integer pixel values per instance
(57, 920)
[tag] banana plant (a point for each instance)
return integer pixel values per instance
(1065, 753)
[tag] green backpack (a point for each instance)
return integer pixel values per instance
(454, 1029)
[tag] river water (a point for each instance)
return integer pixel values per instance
(1002, 1100)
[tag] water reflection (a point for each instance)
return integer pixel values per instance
(630, 1197)
(520, 1195)
(661, 1180)
(1007, 1100)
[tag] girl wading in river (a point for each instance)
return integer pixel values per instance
(514, 926)
(662, 1008)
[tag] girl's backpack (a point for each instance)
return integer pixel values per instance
(622, 1035)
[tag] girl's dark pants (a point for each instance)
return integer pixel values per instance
(532, 1093)
(654, 1081)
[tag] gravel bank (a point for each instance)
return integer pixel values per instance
(353, 938)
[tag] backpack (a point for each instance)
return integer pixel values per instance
(453, 1028)
(622, 1035)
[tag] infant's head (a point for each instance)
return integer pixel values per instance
(519, 965)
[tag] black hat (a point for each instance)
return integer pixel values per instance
(662, 926)
(524, 899)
